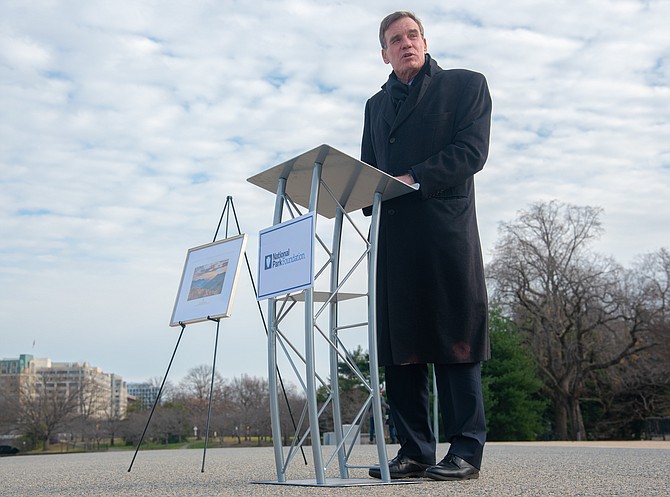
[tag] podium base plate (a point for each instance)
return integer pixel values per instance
(338, 482)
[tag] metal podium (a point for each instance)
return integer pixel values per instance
(331, 184)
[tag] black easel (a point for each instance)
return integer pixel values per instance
(160, 391)
(211, 389)
(225, 212)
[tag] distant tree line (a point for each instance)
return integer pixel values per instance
(240, 412)
(580, 350)
(239, 415)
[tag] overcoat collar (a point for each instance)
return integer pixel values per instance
(394, 120)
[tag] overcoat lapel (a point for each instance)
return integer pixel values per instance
(389, 110)
(408, 107)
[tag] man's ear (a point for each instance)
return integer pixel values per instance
(384, 57)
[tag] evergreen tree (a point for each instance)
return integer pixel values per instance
(514, 407)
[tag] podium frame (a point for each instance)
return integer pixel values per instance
(331, 184)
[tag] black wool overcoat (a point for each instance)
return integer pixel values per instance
(431, 293)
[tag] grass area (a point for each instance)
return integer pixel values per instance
(190, 443)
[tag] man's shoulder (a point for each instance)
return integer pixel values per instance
(459, 75)
(377, 97)
(450, 81)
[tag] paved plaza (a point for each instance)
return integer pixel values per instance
(519, 469)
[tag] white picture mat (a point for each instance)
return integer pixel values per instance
(208, 281)
(285, 257)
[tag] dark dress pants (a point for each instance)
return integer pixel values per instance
(461, 404)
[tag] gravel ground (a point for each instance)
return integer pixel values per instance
(527, 469)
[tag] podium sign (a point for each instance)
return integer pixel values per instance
(285, 257)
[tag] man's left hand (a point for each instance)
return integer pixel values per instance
(406, 178)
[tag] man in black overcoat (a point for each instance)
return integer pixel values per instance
(430, 126)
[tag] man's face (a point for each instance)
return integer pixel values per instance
(405, 48)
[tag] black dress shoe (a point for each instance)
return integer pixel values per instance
(401, 467)
(452, 468)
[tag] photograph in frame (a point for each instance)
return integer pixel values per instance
(208, 281)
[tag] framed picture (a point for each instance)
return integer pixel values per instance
(208, 282)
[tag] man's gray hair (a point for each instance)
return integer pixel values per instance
(391, 18)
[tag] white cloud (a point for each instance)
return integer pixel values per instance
(125, 125)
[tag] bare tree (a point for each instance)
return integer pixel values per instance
(193, 392)
(654, 273)
(169, 390)
(639, 386)
(8, 408)
(112, 424)
(574, 305)
(250, 395)
(132, 426)
(170, 424)
(291, 407)
(196, 383)
(45, 407)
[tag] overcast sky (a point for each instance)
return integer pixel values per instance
(124, 125)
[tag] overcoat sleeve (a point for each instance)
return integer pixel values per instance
(367, 149)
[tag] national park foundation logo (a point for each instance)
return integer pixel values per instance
(282, 258)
